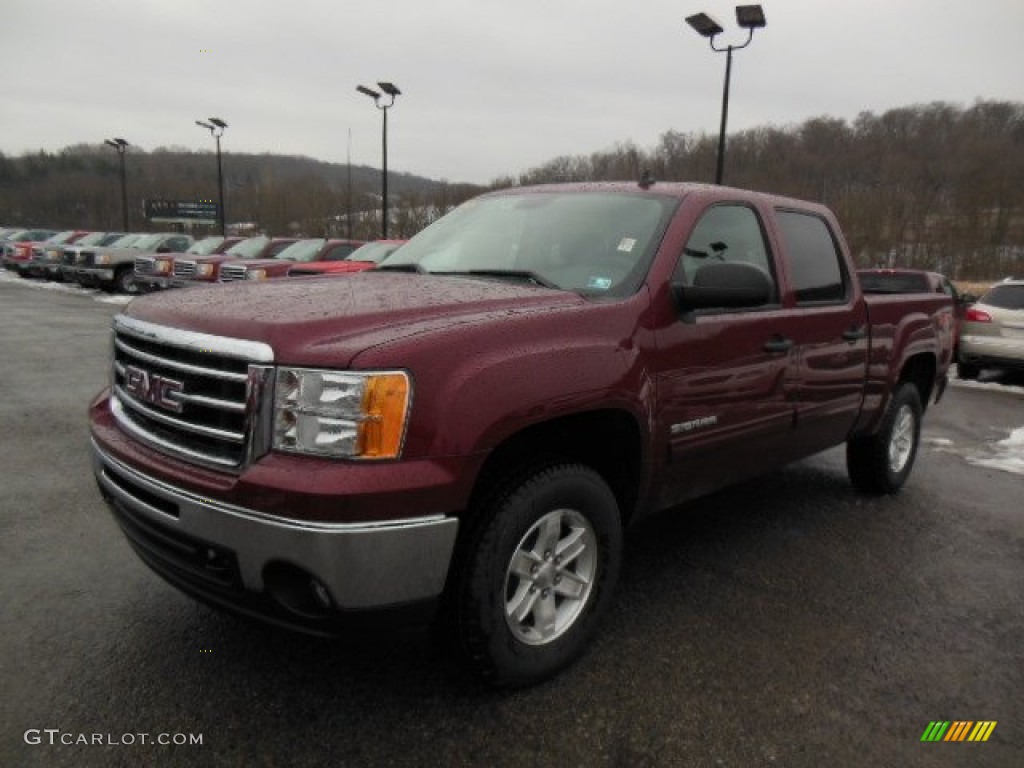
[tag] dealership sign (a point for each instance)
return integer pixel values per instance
(183, 211)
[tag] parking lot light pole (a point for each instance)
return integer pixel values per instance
(120, 145)
(749, 17)
(391, 90)
(216, 128)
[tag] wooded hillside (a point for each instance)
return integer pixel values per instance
(934, 186)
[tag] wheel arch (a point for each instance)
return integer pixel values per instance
(920, 370)
(610, 441)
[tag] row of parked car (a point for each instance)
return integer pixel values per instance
(136, 262)
(988, 332)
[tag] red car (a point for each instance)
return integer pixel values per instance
(18, 249)
(309, 251)
(206, 269)
(365, 257)
(471, 425)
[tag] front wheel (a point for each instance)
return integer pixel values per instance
(124, 282)
(881, 463)
(539, 574)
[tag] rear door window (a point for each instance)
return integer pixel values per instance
(815, 263)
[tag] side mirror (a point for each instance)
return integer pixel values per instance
(725, 285)
(967, 298)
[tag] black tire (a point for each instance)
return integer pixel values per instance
(881, 463)
(967, 372)
(513, 560)
(124, 281)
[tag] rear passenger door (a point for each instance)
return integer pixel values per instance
(832, 338)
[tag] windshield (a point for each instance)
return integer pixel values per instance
(374, 252)
(93, 238)
(593, 243)
(1005, 297)
(206, 246)
(147, 242)
(304, 250)
(249, 248)
(125, 240)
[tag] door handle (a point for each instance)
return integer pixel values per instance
(855, 334)
(778, 344)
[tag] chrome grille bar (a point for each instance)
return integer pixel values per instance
(202, 398)
(184, 268)
(231, 272)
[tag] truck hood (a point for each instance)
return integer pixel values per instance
(325, 321)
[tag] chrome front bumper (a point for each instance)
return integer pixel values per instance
(362, 566)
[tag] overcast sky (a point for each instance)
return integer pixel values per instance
(490, 87)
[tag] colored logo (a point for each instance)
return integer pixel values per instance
(958, 730)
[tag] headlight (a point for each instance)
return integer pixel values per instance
(204, 270)
(256, 274)
(102, 258)
(351, 415)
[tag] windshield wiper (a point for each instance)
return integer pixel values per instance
(515, 274)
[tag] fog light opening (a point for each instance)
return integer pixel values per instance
(297, 591)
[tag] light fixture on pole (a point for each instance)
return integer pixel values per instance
(120, 145)
(391, 90)
(216, 128)
(749, 17)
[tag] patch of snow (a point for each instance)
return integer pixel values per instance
(7, 276)
(990, 386)
(1006, 455)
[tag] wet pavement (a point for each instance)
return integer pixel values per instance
(788, 622)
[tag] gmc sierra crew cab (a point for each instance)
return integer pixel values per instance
(464, 432)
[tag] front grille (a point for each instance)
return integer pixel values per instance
(69, 257)
(145, 265)
(184, 268)
(230, 272)
(86, 259)
(195, 396)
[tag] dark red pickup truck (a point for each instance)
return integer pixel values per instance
(471, 425)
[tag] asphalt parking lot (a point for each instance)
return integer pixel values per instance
(786, 622)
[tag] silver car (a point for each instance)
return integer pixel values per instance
(993, 331)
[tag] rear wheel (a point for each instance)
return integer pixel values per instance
(538, 574)
(881, 463)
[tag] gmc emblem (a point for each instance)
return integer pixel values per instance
(151, 388)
